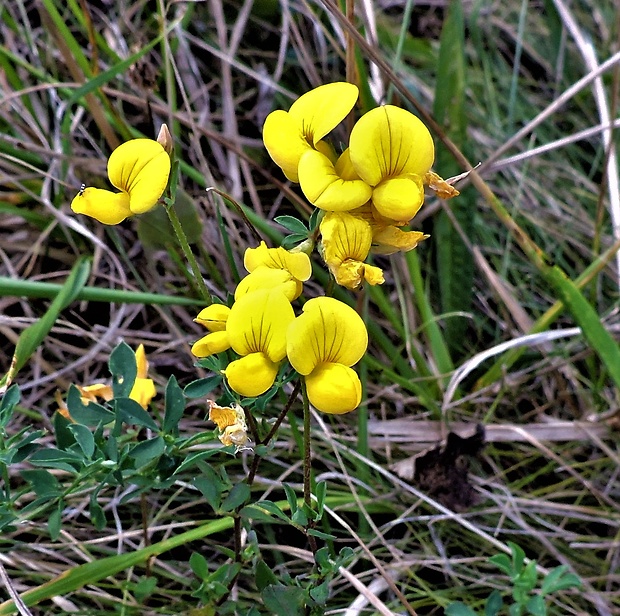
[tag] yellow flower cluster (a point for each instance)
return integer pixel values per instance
(368, 192)
(261, 327)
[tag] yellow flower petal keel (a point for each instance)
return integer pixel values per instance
(211, 344)
(103, 205)
(251, 375)
(334, 388)
(326, 188)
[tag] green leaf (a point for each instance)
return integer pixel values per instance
(202, 387)
(155, 230)
(236, 497)
(320, 493)
(320, 593)
(503, 562)
(33, 335)
(174, 407)
(42, 482)
(8, 403)
(290, 241)
(84, 438)
(291, 497)
(130, 412)
(273, 508)
(194, 458)
(91, 414)
(57, 459)
(211, 486)
(287, 600)
(264, 576)
(199, 566)
(536, 606)
(459, 609)
(147, 451)
(292, 224)
(321, 535)
(300, 518)
(54, 521)
(97, 515)
(124, 369)
(493, 604)
(559, 579)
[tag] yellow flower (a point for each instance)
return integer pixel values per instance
(332, 187)
(287, 135)
(143, 390)
(389, 157)
(214, 318)
(139, 169)
(231, 424)
(346, 242)
(392, 151)
(274, 267)
(256, 330)
(322, 345)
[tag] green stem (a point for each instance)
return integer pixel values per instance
(187, 251)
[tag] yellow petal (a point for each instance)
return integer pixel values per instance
(211, 344)
(297, 264)
(214, 317)
(399, 198)
(287, 135)
(326, 188)
(251, 375)
(387, 142)
(320, 110)
(107, 207)
(141, 363)
(143, 391)
(90, 393)
(334, 388)
(344, 237)
(222, 416)
(285, 142)
(387, 240)
(258, 322)
(140, 167)
(327, 331)
(264, 277)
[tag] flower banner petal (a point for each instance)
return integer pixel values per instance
(298, 263)
(389, 141)
(328, 330)
(140, 167)
(320, 110)
(258, 322)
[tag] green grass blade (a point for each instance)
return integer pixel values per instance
(455, 266)
(33, 335)
(10, 287)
